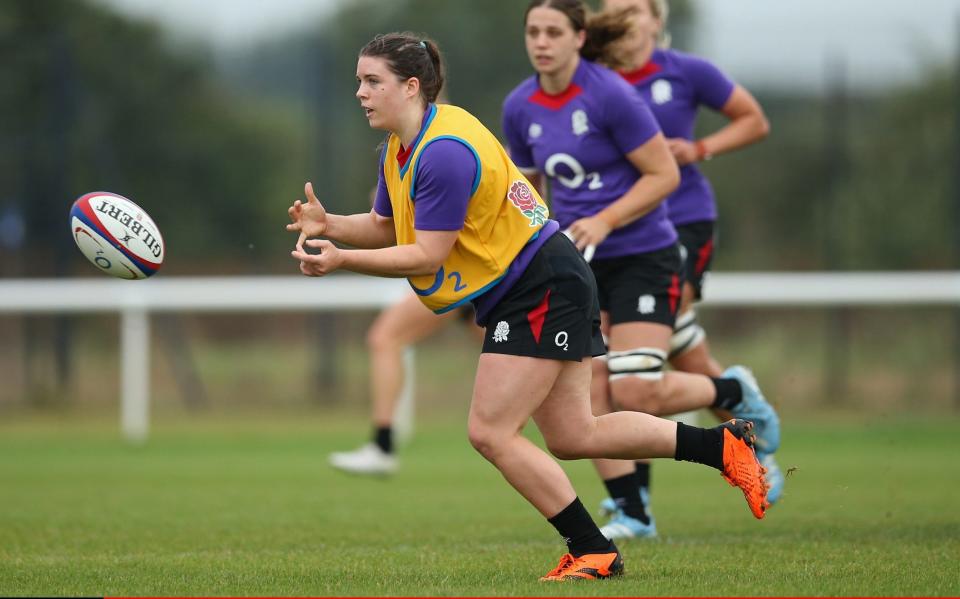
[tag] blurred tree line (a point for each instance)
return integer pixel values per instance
(92, 101)
(216, 149)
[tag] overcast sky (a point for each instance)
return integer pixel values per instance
(771, 42)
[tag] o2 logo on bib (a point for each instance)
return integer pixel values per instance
(576, 169)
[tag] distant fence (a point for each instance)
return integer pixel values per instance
(136, 300)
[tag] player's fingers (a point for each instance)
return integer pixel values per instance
(300, 240)
(302, 256)
(308, 191)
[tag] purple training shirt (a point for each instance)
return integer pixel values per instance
(444, 182)
(675, 85)
(579, 139)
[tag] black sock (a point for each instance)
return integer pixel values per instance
(580, 531)
(700, 445)
(383, 437)
(729, 393)
(625, 491)
(643, 474)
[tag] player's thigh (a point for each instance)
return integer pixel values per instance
(565, 412)
(632, 335)
(509, 389)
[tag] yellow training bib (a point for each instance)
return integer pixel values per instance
(504, 213)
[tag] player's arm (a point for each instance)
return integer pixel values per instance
(369, 230)
(425, 257)
(748, 124)
(660, 176)
(444, 183)
(311, 219)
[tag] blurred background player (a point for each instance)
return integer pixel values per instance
(396, 328)
(592, 136)
(675, 85)
(464, 225)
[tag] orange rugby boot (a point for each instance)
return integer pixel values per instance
(741, 467)
(591, 566)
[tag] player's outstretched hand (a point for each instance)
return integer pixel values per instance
(308, 218)
(317, 265)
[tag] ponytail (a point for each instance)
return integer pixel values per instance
(604, 29)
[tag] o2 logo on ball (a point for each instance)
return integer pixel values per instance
(116, 235)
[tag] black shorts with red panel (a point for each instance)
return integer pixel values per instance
(698, 240)
(551, 311)
(641, 287)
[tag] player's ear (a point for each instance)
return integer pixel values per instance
(412, 87)
(581, 38)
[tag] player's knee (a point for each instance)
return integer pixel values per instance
(565, 446)
(484, 438)
(639, 394)
(636, 379)
(380, 338)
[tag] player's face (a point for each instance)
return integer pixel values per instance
(552, 44)
(644, 26)
(381, 92)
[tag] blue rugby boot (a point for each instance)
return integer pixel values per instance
(755, 408)
(774, 477)
(622, 526)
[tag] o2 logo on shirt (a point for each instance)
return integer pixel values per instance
(579, 173)
(661, 91)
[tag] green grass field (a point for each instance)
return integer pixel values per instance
(213, 507)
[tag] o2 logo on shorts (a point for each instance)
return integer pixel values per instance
(561, 340)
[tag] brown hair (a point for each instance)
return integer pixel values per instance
(410, 55)
(603, 29)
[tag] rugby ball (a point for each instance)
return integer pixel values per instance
(116, 235)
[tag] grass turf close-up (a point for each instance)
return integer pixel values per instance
(240, 508)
